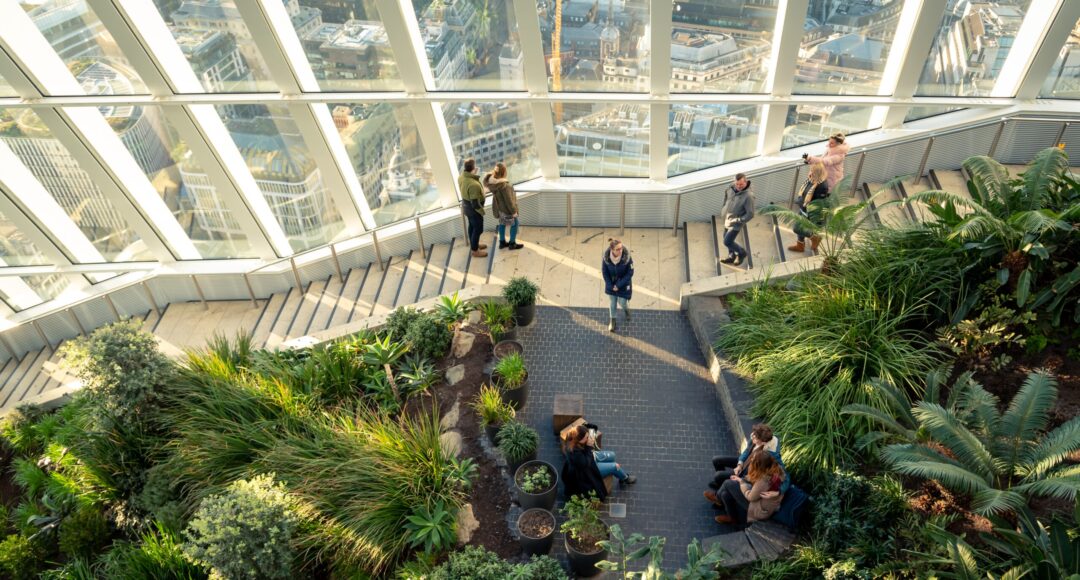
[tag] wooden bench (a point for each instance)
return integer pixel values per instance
(567, 409)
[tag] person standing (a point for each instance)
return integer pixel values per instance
(504, 204)
(815, 188)
(618, 269)
(472, 204)
(738, 210)
(833, 159)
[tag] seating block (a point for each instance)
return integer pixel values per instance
(566, 409)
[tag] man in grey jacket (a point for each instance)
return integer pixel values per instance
(738, 210)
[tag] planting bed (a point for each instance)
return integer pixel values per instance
(535, 524)
(1056, 360)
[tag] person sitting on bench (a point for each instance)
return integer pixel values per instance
(761, 437)
(755, 496)
(586, 467)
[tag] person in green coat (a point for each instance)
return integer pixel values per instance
(472, 205)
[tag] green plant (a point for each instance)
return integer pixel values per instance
(511, 371)
(422, 566)
(429, 336)
(517, 441)
(397, 324)
(998, 458)
(520, 291)
(20, 557)
(158, 554)
(244, 532)
(84, 533)
(995, 326)
(432, 528)
(536, 480)
(452, 309)
(539, 568)
(385, 353)
(77, 569)
(18, 430)
(419, 374)
(583, 524)
(473, 563)
(855, 517)
(490, 407)
(495, 312)
(624, 550)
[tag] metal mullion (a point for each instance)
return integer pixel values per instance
(658, 141)
(30, 230)
(536, 81)
(544, 134)
(431, 124)
(403, 32)
(660, 48)
(148, 30)
(1053, 40)
(130, 45)
(787, 38)
(269, 33)
(1027, 46)
(907, 59)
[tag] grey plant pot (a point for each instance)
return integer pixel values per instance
(515, 397)
(524, 315)
(583, 565)
(544, 499)
(536, 546)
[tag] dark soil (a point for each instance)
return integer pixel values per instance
(506, 348)
(587, 547)
(932, 499)
(536, 524)
(1054, 358)
(519, 477)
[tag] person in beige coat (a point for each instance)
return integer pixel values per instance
(833, 159)
(504, 202)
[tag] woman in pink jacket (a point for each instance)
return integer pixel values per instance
(833, 160)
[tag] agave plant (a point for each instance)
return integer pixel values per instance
(385, 352)
(1016, 222)
(1000, 459)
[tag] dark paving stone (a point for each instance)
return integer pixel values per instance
(647, 388)
(769, 539)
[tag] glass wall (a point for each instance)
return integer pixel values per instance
(28, 137)
(472, 45)
(602, 140)
(346, 44)
(1063, 80)
(971, 47)
(720, 46)
(491, 132)
(813, 123)
(218, 44)
(702, 136)
(85, 46)
(596, 45)
(5, 89)
(845, 46)
(385, 150)
(285, 173)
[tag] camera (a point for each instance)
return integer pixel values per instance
(805, 155)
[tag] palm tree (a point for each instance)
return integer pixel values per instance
(998, 458)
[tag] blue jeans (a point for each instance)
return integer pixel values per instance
(502, 231)
(605, 461)
(616, 300)
(734, 249)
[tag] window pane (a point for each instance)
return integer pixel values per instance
(1063, 81)
(971, 47)
(346, 44)
(845, 46)
(22, 292)
(286, 174)
(709, 135)
(602, 140)
(814, 123)
(916, 113)
(603, 45)
(86, 47)
(494, 132)
(180, 180)
(70, 186)
(386, 153)
(217, 44)
(721, 46)
(472, 45)
(6, 90)
(15, 248)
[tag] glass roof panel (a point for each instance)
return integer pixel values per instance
(720, 46)
(845, 46)
(603, 45)
(285, 172)
(384, 147)
(346, 44)
(708, 135)
(971, 47)
(71, 186)
(602, 140)
(6, 90)
(24, 291)
(85, 46)
(493, 132)
(1063, 80)
(472, 45)
(916, 113)
(218, 45)
(15, 248)
(807, 124)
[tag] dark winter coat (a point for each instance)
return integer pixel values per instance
(738, 207)
(580, 474)
(620, 275)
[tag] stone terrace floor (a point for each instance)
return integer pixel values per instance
(647, 388)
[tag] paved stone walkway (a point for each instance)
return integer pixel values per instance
(647, 388)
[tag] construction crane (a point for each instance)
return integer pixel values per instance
(556, 59)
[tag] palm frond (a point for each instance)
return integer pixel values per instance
(1038, 221)
(980, 407)
(996, 501)
(976, 227)
(939, 197)
(914, 453)
(953, 477)
(1027, 414)
(1071, 213)
(946, 428)
(1064, 487)
(990, 179)
(1047, 165)
(789, 218)
(1051, 451)
(882, 418)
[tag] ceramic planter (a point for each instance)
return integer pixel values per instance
(583, 565)
(515, 397)
(506, 347)
(524, 315)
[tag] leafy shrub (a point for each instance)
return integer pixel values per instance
(583, 523)
(432, 528)
(19, 432)
(541, 568)
(84, 533)
(244, 532)
(429, 336)
(520, 291)
(157, 555)
(490, 407)
(20, 557)
(397, 324)
(996, 326)
(846, 570)
(623, 550)
(854, 514)
(517, 441)
(473, 563)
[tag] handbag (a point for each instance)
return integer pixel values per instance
(507, 220)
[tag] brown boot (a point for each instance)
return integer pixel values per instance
(724, 519)
(814, 242)
(479, 254)
(797, 247)
(483, 246)
(711, 496)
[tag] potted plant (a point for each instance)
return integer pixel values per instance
(512, 378)
(537, 484)
(521, 293)
(517, 442)
(582, 532)
(492, 411)
(536, 530)
(498, 317)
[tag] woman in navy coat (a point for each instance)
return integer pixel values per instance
(618, 269)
